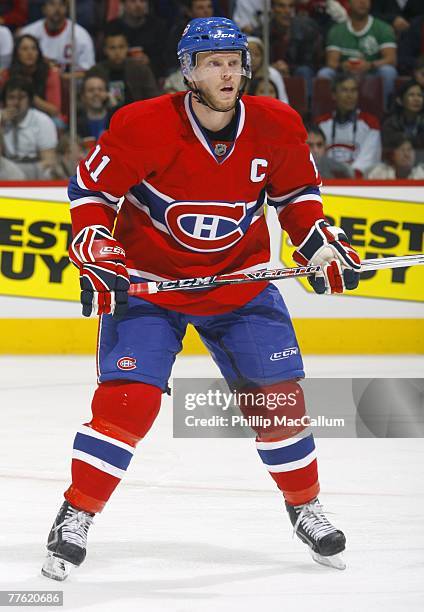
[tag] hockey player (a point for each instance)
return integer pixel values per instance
(194, 169)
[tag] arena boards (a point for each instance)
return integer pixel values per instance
(40, 313)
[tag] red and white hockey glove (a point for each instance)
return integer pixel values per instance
(327, 246)
(103, 276)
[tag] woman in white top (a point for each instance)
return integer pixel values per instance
(400, 162)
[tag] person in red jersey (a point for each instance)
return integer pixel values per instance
(194, 170)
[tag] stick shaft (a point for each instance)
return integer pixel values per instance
(209, 282)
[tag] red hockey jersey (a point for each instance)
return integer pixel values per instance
(191, 208)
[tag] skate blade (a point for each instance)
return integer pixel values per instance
(56, 568)
(335, 561)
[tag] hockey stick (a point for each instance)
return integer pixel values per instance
(208, 282)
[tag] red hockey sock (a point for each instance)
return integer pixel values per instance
(284, 441)
(123, 413)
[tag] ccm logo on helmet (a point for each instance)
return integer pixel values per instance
(206, 226)
(127, 363)
(223, 35)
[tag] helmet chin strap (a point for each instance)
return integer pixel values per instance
(200, 98)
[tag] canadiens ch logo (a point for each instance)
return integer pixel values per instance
(127, 363)
(214, 230)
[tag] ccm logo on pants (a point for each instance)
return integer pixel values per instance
(288, 352)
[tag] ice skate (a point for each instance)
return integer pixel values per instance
(314, 529)
(67, 542)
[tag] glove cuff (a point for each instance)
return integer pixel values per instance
(320, 234)
(95, 243)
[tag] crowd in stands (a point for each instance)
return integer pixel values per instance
(354, 70)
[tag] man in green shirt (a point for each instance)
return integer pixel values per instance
(362, 46)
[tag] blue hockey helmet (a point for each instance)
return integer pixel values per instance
(212, 34)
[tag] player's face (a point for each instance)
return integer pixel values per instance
(116, 49)
(201, 8)
(28, 52)
(95, 93)
(413, 99)
(316, 145)
(218, 77)
(346, 96)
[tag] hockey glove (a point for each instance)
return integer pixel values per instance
(103, 276)
(327, 246)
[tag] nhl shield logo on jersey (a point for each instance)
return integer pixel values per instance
(206, 226)
(220, 149)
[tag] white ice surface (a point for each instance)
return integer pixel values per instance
(198, 525)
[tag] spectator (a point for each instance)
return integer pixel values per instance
(247, 14)
(30, 137)
(400, 161)
(411, 46)
(324, 12)
(407, 118)
(398, 13)
(6, 47)
(146, 34)
(89, 13)
(295, 42)
(327, 167)
(54, 35)
(191, 9)
(257, 87)
(28, 62)
(128, 79)
(68, 157)
(362, 46)
(13, 13)
(94, 117)
(9, 171)
(256, 48)
(353, 136)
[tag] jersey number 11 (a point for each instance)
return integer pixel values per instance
(97, 171)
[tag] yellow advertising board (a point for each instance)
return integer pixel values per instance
(377, 228)
(35, 235)
(34, 241)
